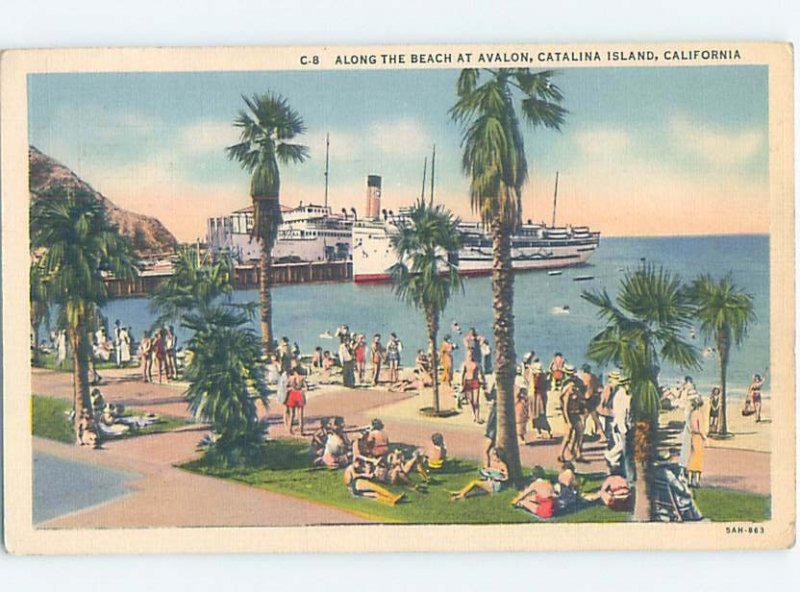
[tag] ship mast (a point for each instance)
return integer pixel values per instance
(433, 170)
(424, 174)
(327, 155)
(555, 201)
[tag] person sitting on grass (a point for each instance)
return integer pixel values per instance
(493, 478)
(538, 498)
(436, 454)
(319, 438)
(377, 440)
(358, 477)
(399, 468)
(567, 490)
(614, 493)
(337, 446)
(87, 430)
(97, 400)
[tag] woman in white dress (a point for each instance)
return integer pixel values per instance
(125, 345)
(61, 348)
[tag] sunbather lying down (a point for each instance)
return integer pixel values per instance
(358, 479)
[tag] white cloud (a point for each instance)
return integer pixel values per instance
(715, 146)
(400, 138)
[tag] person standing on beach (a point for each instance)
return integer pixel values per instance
(573, 408)
(296, 398)
(117, 343)
(393, 349)
(160, 351)
(169, 350)
(695, 467)
(592, 395)
(522, 410)
(620, 456)
(125, 347)
(446, 356)
(754, 393)
(486, 355)
(360, 346)
(146, 348)
(604, 409)
(61, 348)
(715, 404)
(378, 356)
(346, 359)
(472, 378)
(539, 406)
(556, 371)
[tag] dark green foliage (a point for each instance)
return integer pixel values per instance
(225, 377)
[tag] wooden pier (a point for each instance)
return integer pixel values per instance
(246, 277)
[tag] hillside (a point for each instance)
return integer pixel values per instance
(148, 235)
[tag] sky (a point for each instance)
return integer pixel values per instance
(643, 151)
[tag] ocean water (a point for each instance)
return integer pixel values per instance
(304, 312)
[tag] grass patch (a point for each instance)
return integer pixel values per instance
(47, 360)
(722, 505)
(49, 420)
(286, 470)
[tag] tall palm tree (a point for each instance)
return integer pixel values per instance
(423, 276)
(267, 125)
(494, 161)
(643, 326)
(725, 314)
(80, 245)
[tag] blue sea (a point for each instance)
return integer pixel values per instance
(304, 312)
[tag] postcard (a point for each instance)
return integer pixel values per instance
(400, 298)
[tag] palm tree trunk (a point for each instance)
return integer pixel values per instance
(265, 294)
(505, 362)
(723, 349)
(433, 330)
(643, 438)
(80, 374)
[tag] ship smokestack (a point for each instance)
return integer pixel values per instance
(373, 196)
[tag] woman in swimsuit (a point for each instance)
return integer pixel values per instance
(447, 361)
(377, 440)
(472, 379)
(715, 403)
(754, 393)
(393, 357)
(296, 399)
(493, 478)
(361, 357)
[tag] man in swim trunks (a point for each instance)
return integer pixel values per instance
(472, 378)
(573, 408)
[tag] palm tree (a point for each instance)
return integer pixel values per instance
(225, 378)
(423, 276)
(195, 282)
(495, 163)
(643, 326)
(80, 246)
(267, 127)
(725, 314)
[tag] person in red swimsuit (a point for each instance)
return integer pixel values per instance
(296, 399)
(472, 379)
(539, 498)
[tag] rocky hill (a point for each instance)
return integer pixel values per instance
(148, 235)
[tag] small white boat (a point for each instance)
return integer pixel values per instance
(582, 278)
(560, 310)
(326, 335)
(554, 272)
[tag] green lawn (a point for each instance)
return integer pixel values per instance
(49, 420)
(287, 471)
(48, 361)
